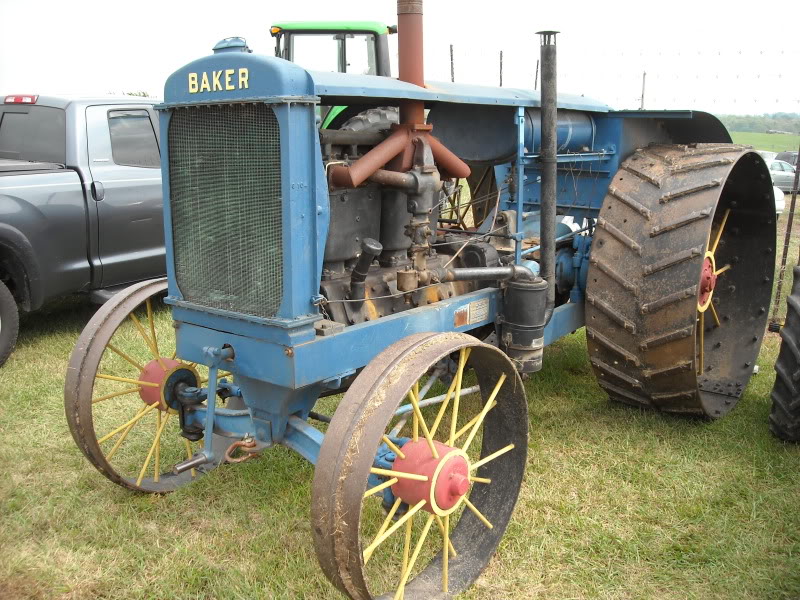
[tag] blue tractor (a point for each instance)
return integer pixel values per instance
(317, 298)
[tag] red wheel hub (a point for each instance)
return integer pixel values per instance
(708, 280)
(153, 372)
(448, 476)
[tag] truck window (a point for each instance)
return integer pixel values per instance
(35, 133)
(133, 139)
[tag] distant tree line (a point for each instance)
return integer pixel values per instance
(783, 122)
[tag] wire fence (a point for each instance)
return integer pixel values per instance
(740, 81)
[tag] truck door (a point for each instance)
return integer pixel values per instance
(124, 163)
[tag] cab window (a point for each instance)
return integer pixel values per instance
(336, 52)
(133, 139)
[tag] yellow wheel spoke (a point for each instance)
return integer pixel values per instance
(379, 539)
(116, 350)
(125, 433)
(393, 447)
(147, 340)
(189, 453)
(443, 408)
(157, 459)
(138, 416)
(471, 423)
(713, 247)
(714, 314)
(152, 323)
(462, 361)
(382, 486)
(126, 380)
(400, 474)
(174, 356)
(417, 548)
(414, 427)
(722, 270)
(701, 334)
(479, 479)
(115, 394)
(491, 457)
(477, 513)
(407, 546)
(389, 517)
(156, 442)
(444, 528)
(412, 396)
(484, 412)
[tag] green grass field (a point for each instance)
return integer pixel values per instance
(775, 142)
(617, 503)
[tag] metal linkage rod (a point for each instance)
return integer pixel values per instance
(774, 326)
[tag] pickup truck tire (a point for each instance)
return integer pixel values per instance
(9, 323)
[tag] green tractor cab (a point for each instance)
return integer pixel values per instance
(356, 47)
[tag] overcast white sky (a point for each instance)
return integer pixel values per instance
(723, 57)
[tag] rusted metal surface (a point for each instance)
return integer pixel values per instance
(346, 457)
(646, 294)
(410, 56)
(398, 149)
(247, 447)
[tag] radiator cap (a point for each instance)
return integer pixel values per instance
(232, 44)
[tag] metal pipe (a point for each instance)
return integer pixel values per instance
(370, 249)
(396, 179)
(548, 158)
(196, 461)
(515, 272)
(447, 161)
(407, 408)
(344, 137)
(410, 56)
(352, 176)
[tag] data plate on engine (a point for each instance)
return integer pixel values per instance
(472, 313)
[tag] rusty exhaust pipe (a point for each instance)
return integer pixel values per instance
(411, 61)
(399, 146)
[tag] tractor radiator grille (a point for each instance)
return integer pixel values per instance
(225, 199)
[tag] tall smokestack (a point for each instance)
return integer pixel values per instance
(411, 70)
(548, 156)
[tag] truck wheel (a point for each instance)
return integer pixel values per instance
(9, 323)
(680, 277)
(784, 420)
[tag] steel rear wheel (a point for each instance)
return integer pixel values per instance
(680, 277)
(391, 518)
(118, 411)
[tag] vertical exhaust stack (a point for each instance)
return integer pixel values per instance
(547, 156)
(411, 62)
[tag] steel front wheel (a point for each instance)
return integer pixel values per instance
(410, 501)
(116, 405)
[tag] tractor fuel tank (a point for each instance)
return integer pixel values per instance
(492, 131)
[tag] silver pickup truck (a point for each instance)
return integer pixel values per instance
(80, 200)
